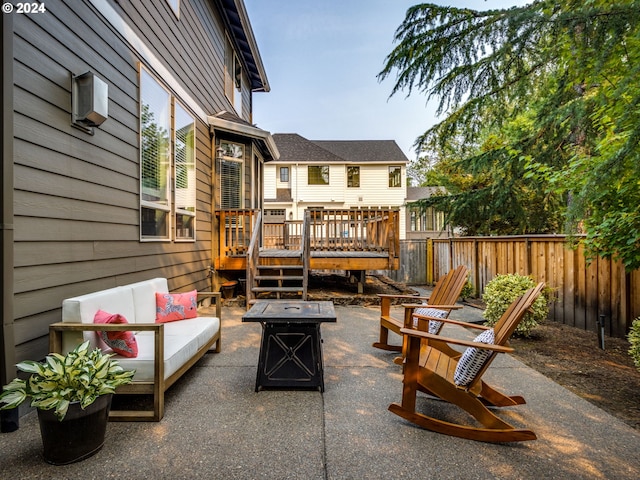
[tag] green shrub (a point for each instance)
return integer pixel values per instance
(502, 291)
(634, 340)
(467, 290)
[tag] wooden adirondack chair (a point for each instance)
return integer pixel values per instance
(459, 381)
(443, 297)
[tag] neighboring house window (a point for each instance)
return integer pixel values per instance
(233, 78)
(185, 176)
(395, 176)
(155, 157)
(318, 175)
(426, 219)
(353, 176)
(230, 163)
(284, 174)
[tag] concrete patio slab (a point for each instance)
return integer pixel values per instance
(217, 426)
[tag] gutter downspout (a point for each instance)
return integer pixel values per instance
(8, 418)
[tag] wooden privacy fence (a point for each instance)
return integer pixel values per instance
(582, 292)
(414, 259)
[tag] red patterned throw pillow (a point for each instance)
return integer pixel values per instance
(176, 306)
(122, 343)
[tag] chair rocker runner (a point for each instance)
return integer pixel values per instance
(442, 300)
(459, 381)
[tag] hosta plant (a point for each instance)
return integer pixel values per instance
(80, 376)
(634, 340)
(502, 291)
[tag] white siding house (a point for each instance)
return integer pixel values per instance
(334, 175)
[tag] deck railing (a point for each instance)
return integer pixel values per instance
(363, 229)
(235, 230)
(351, 230)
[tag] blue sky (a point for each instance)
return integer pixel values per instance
(322, 58)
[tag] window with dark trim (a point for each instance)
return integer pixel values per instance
(395, 177)
(318, 174)
(353, 176)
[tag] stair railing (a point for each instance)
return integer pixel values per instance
(306, 252)
(253, 257)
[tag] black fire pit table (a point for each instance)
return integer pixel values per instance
(291, 347)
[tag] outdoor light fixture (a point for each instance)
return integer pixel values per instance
(89, 101)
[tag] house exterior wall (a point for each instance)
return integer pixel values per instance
(374, 190)
(77, 196)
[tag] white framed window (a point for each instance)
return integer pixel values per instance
(155, 159)
(395, 177)
(230, 168)
(185, 173)
(284, 174)
(233, 78)
(167, 165)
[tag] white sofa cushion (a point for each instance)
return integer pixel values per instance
(178, 349)
(200, 328)
(144, 298)
(82, 309)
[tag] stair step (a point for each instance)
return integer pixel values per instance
(279, 277)
(276, 289)
(279, 267)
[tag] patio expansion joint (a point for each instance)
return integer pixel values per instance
(324, 441)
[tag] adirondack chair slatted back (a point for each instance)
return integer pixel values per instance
(448, 288)
(507, 324)
(515, 313)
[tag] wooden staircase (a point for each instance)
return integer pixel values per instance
(277, 273)
(281, 280)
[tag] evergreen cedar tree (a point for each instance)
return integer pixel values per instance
(540, 117)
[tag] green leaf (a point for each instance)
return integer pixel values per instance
(12, 398)
(29, 366)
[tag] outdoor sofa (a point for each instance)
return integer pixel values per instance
(165, 351)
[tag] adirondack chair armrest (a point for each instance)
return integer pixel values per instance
(453, 322)
(456, 341)
(412, 297)
(441, 307)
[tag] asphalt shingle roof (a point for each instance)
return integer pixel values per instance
(360, 151)
(418, 193)
(296, 148)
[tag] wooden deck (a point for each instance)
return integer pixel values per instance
(351, 239)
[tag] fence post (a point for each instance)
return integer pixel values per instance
(528, 251)
(429, 263)
(450, 253)
(476, 269)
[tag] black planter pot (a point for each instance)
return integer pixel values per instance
(78, 436)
